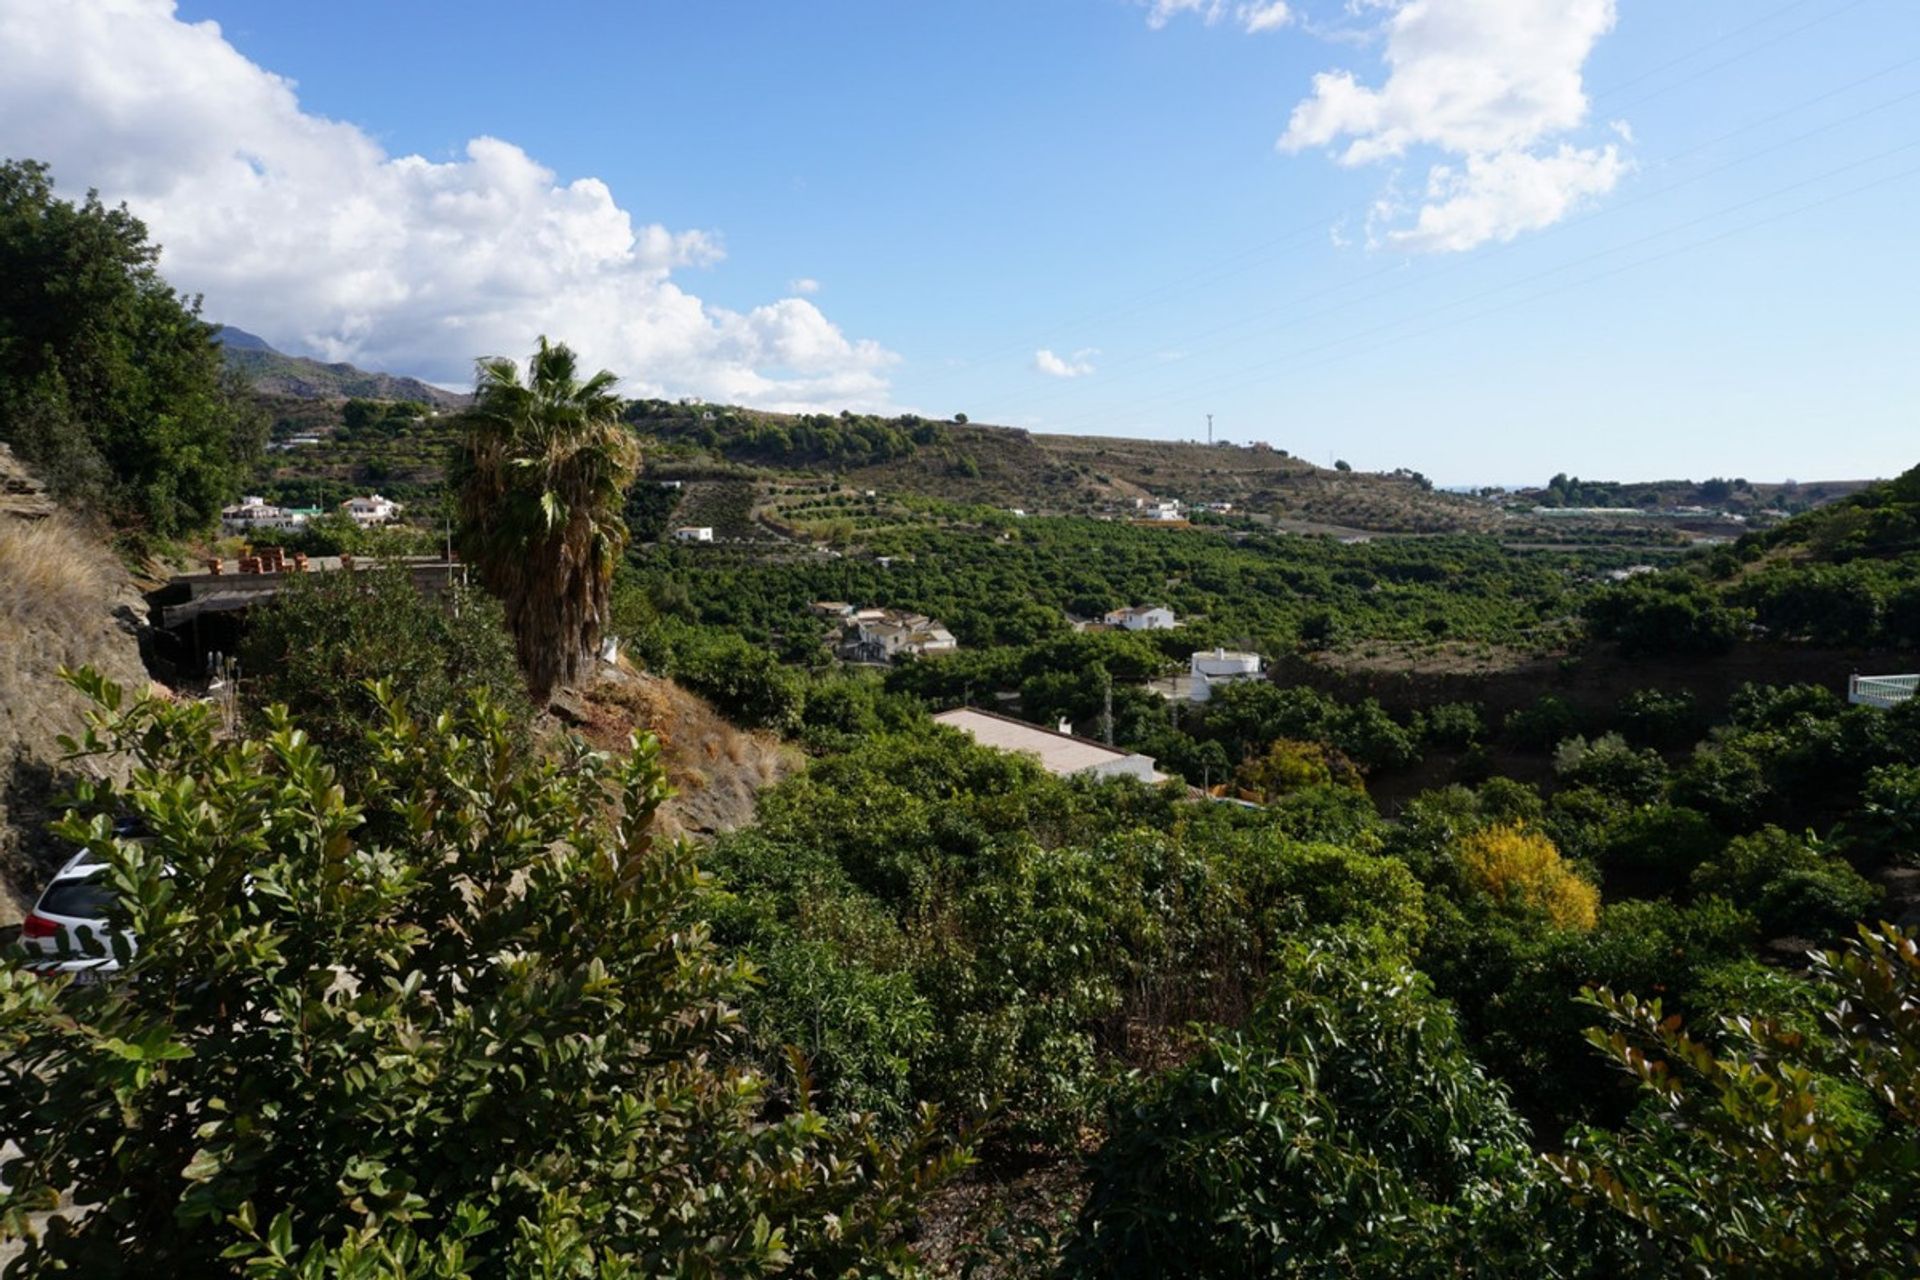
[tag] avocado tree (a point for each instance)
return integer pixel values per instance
(456, 1024)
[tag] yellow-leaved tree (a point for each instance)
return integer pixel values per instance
(1520, 869)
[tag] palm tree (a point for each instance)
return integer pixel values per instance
(542, 479)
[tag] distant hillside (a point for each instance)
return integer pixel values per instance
(1050, 474)
(1732, 497)
(274, 373)
(1879, 522)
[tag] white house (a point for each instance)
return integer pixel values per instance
(1210, 671)
(1142, 617)
(253, 512)
(881, 635)
(693, 533)
(1060, 752)
(372, 510)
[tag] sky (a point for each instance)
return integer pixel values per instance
(1490, 240)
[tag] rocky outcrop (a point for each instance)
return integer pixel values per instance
(22, 496)
(65, 600)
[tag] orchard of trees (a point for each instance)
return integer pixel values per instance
(410, 986)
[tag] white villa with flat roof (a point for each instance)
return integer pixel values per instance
(1060, 752)
(254, 512)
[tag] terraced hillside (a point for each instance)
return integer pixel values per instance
(972, 464)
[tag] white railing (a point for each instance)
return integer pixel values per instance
(1882, 691)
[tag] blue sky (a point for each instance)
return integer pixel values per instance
(1674, 239)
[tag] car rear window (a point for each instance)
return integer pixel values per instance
(87, 899)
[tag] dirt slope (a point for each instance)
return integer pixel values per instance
(717, 771)
(64, 601)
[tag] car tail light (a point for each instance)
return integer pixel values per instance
(38, 926)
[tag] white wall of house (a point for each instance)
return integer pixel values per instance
(1156, 618)
(1133, 766)
(1221, 667)
(255, 513)
(370, 511)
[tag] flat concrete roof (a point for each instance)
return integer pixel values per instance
(1060, 753)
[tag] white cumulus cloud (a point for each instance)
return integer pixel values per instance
(1494, 84)
(1077, 365)
(306, 230)
(803, 284)
(1253, 16)
(1498, 196)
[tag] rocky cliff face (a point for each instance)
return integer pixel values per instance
(64, 601)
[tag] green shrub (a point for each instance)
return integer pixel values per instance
(1539, 726)
(1455, 725)
(318, 645)
(1344, 1131)
(111, 385)
(1654, 850)
(1770, 1149)
(1667, 614)
(1789, 884)
(1652, 718)
(1608, 765)
(454, 1024)
(1887, 824)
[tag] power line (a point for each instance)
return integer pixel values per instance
(1253, 373)
(1129, 304)
(1133, 366)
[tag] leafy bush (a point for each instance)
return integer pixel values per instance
(1652, 718)
(1608, 765)
(111, 385)
(1653, 851)
(1344, 1131)
(1667, 614)
(318, 645)
(1767, 1149)
(1789, 884)
(1540, 726)
(1288, 766)
(1455, 725)
(1888, 821)
(749, 685)
(456, 1025)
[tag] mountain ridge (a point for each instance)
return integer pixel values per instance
(271, 371)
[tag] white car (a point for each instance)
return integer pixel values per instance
(67, 931)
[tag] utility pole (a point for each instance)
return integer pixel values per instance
(1209, 428)
(1106, 713)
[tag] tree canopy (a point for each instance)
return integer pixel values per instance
(111, 385)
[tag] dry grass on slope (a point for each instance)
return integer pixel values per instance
(52, 576)
(59, 589)
(53, 588)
